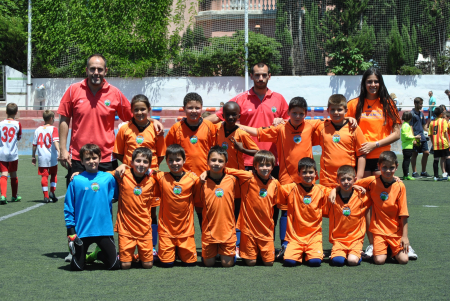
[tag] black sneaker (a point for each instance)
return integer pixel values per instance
(53, 196)
(415, 175)
(425, 175)
(280, 255)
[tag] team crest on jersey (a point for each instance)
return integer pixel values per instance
(107, 102)
(297, 139)
(137, 190)
(384, 196)
(274, 109)
(140, 139)
(346, 211)
(263, 193)
(95, 187)
(225, 145)
(193, 139)
(177, 190)
(336, 138)
(219, 192)
(307, 199)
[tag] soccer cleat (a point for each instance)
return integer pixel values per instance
(409, 178)
(411, 254)
(68, 258)
(155, 255)
(425, 175)
(93, 256)
(436, 179)
(415, 175)
(16, 199)
(3, 200)
(280, 255)
(53, 197)
(47, 200)
(369, 252)
(237, 253)
(445, 175)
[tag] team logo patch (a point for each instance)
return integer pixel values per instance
(95, 187)
(336, 138)
(140, 139)
(346, 211)
(177, 190)
(307, 199)
(194, 139)
(225, 145)
(107, 102)
(263, 193)
(384, 196)
(297, 139)
(137, 190)
(219, 192)
(274, 109)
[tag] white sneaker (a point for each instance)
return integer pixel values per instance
(68, 258)
(411, 254)
(369, 251)
(237, 253)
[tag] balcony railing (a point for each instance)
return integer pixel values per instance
(252, 4)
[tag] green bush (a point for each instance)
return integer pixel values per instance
(409, 70)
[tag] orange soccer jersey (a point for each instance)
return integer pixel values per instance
(339, 147)
(176, 211)
(304, 220)
(347, 225)
(235, 157)
(135, 201)
(196, 142)
(257, 201)
(129, 138)
(372, 123)
(217, 200)
(389, 204)
(438, 128)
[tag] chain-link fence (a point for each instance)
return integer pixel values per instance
(2, 83)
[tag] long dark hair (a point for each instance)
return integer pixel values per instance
(385, 99)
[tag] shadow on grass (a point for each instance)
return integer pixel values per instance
(61, 255)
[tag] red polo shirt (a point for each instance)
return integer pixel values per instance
(93, 116)
(257, 113)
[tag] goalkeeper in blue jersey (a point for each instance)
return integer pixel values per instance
(88, 212)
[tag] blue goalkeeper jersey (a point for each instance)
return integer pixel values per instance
(88, 204)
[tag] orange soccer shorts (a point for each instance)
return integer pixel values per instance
(251, 246)
(186, 249)
(342, 250)
(127, 246)
(313, 249)
(381, 243)
(210, 250)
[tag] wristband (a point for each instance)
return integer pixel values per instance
(377, 144)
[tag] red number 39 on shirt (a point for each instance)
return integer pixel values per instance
(8, 132)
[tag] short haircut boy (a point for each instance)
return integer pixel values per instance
(175, 149)
(407, 116)
(147, 153)
(437, 111)
(192, 96)
(48, 115)
(140, 98)
(264, 156)
(11, 109)
(418, 100)
(298, 102)
(346, 170)
(90, 149)
(389, 157)
(306, 163)
(337, 100)
(219, 150)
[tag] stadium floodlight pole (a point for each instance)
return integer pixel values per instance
(246, 43)
(29, 58)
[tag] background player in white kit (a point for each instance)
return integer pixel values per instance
(46, 142)
(10, 133)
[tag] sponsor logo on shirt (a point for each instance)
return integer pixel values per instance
(307, 199)
(107, 102)
(137, 190)
(346, 211)
(263, 193)
(274, 109)
(336, 138)
(140, 139)
(297, 139)
(219, 192)
(177, 190)
(225, 145)
(194, 139)
(95, 187)
(384, 196)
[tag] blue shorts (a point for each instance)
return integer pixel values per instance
(422, 147)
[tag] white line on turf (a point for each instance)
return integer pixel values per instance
(430, 206)
(25, 210)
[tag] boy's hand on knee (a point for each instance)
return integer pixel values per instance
(404, 243)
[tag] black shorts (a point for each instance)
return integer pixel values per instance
(439, 153)
(371, 165)
(78, 167)
(422, 147)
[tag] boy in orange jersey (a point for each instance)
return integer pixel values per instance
(176, 211)
(260, 193)
(339, 142)
(304, 216)
(438, 133)
(347, 215)
(216, 196)
(389, 221)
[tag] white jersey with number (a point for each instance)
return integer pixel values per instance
(11, 132)
(44, 138)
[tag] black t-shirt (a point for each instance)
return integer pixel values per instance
(417, 122)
